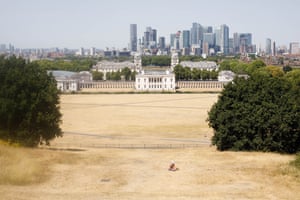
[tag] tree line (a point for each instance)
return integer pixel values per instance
(188, 74)
(125, 74)
(74, 64)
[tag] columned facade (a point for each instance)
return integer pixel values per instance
(155, 81)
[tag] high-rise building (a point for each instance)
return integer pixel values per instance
(224, 39)
(236, 43)
(245, 43)
(150, 38)
(92, 51)
(209, 29)
(294, 48)
(268, 46)
(185, 39)
(133, 37)
(162, 43)
(2, 47)
(274, 52)
(81, 51)
(196, 34)
(209, 38)
(177, 40)
(218, 39)
(230, 46)
(172, 39)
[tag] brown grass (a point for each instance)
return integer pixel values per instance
(92, 173)
(20, 167)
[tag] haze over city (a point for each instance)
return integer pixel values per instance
(92, 23)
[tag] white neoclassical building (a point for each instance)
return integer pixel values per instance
(70, 81)
(108, 66)
(202, 65)
(155, 81)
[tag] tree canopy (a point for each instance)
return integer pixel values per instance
(29, 103)
(188, 74)
(261, 113)
(74, 64)
(161, 61)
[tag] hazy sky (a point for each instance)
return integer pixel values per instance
(105, 23)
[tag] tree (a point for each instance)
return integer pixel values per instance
(126, 72)
(29, 103)
(97, 76)
(260, 113)
(156, 61)
(287, 68)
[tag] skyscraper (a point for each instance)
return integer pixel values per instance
(162, 43)
(218, 39)
(236, 43)
(224, 39)
(185, 39)
(150, 38)
(196, 34)
(172, 39)
(133, 37)
(274, 49)
(294, 48)
(268, 46)
(245, 43)
(209, 38)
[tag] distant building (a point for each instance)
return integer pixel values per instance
(268, 50)
(162, 43)
(174, 60)
(274, 49)
(209, 38)
(92, 51)
(108, 66)
(185, 39)
(224, 39)
(150, 38)
(226, 76)
(69, 81)
(202, 65)
(155, 81)
(196, 34)
(294, 48)
(81, 51)
(133, 38)
(245, 43)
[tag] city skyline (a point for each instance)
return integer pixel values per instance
(91, 23)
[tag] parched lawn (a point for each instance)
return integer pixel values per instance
(72, 170)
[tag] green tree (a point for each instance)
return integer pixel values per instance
(205, 75)
(260, 114)
(287, 68)
(97, 76)
(133, 74)
(156, 61)
(126, 72)
(29, 103)
(179, 73)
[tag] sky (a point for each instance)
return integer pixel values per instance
(106, 23)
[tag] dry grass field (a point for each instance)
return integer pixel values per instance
(72, 170)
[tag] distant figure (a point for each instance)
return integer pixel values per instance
(172, 166)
